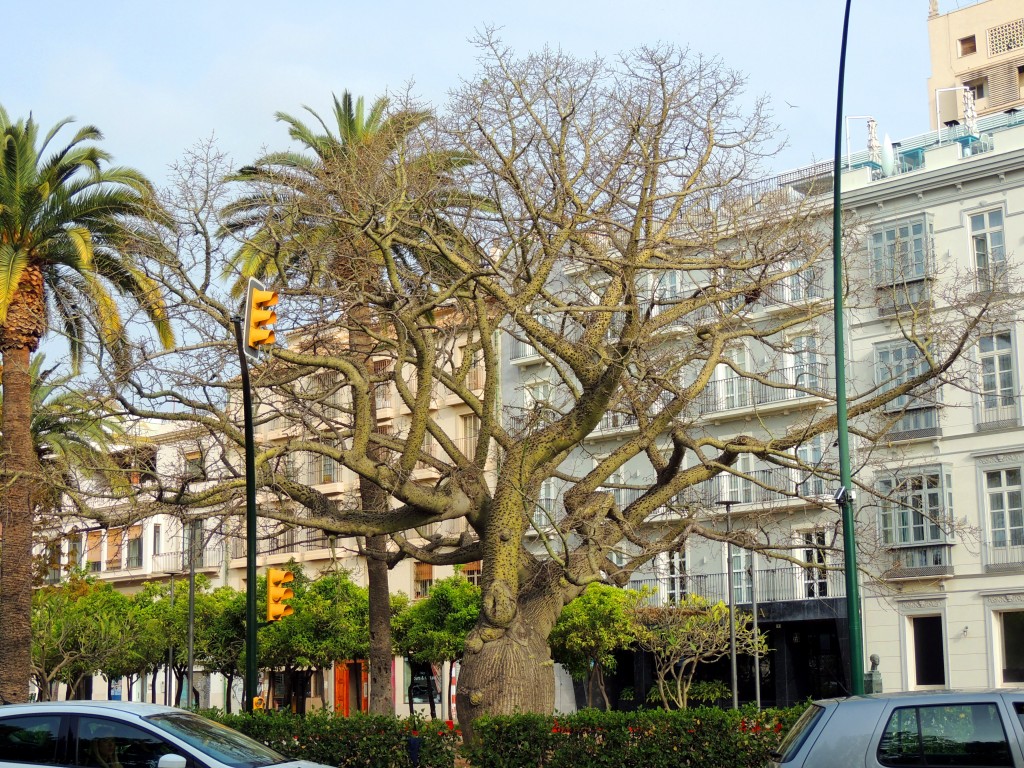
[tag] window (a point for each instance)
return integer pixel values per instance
(423, 580)
(322, 469)
(75, 551)
(156, 540)
(114, 539)
(741, 578)
(108, 742)
(916, 507)
(470, 434)
(134, 547)
(998, 385)
(811, 459)
(94, 551)
(901, 251)
(952, 734)
(989, 250)
(676, 587)
(968, 45)
(978, 88)
(1005, 515)
(473, 572)
(195, 467)
(1012, 623)
(929, 651)
(30, 739)
(544, 512)
(814, 554)
(895, 364)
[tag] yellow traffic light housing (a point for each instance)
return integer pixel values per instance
(259, 316)
(277, 593)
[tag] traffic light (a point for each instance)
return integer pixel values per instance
(258, 317)
(277, 593)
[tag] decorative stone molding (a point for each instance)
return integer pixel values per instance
(1008, 598)
(908, 606)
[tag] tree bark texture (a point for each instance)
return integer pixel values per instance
(382, 700)
(18, 338)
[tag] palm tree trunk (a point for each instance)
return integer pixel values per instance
(19, 481)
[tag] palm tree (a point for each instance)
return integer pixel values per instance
(285, 240)
(65, 255)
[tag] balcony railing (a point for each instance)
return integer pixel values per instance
(780, 386)
(997, 411)
(1003, 556)
(774, 585)
(178, 562)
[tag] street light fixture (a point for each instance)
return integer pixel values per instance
(727, 503)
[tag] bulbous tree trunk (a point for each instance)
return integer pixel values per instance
(510, 670)
(19, 484)
(382, 701)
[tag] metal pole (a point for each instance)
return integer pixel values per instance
(732, 609)
(757, 654)
(170, 655)
(250, 525)
(845, 495)
(191, 614)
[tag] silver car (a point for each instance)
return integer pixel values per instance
(113, 734)
(922, 728)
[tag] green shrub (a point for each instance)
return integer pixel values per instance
(372, 741)
(706, 737)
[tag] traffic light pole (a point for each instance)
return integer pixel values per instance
(250, 524)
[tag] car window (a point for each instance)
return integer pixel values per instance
(798, 733)
(217, 741)
(950, 735)
(30, 739)
(106, 743)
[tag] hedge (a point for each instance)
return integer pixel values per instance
(705, 737)
(362, 740)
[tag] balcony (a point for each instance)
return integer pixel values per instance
(774, 585)
(779, 387)
(923, 562)
(996, 412)
(1001, 556)
(178, 562)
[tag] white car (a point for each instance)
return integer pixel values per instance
(114, 734)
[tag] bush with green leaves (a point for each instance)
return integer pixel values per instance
(708, 737)
(370, 741)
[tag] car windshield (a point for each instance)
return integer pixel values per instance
(797, 734)
(216, 740)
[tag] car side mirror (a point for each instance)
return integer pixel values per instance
(172, 761)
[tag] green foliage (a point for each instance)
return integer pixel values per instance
(348, 742)
(433, 630)
(708, 737)
(682, 636)
(708, 691)
(331, 622)
(590, 630)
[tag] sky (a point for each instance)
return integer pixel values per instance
(158, 77)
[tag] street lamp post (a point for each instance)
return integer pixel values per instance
(844, 496)
(727, 503)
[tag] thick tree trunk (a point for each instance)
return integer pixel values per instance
(513, 672)
(382, 700)
(17, 502)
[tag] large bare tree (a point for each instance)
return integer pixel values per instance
(626, 250)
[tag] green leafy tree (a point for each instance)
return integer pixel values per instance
(79, 628)
(222, 648)
(590, 630)
(329, 624)
(434, 630)
(683, 636)
(66, 253)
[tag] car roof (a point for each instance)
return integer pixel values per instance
(924, 695)
(137, 708)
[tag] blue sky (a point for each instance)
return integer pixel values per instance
(156, 77)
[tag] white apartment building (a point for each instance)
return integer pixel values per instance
(942, 536)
